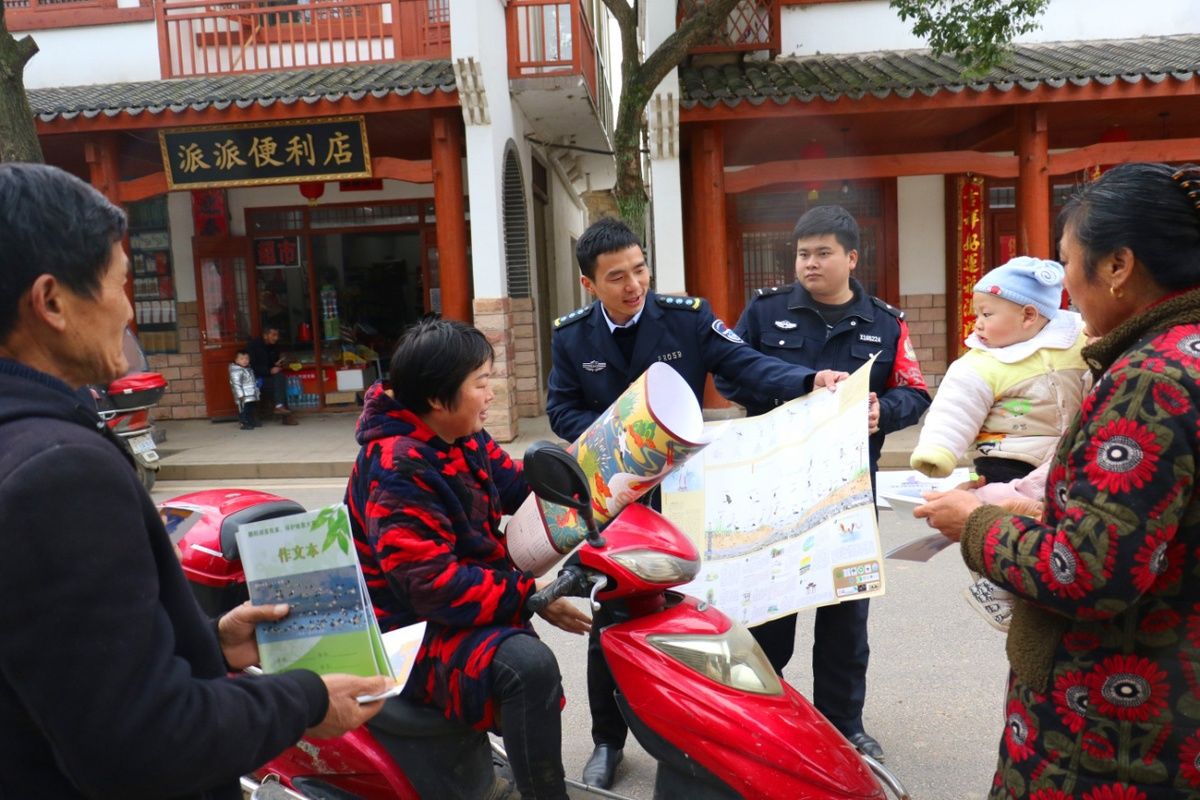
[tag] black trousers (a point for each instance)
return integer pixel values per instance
(248, 412)
(839, 658)
(1001, 470)
(528, 687)
(608, 726)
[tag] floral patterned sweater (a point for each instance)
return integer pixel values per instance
(426, 521)
(1104, 701)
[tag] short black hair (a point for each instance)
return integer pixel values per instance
(605, 235)
(432, 360)
(1139, 206)
(242, 353)
(51, 223)
(824, 220)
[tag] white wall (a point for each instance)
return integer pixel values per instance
(179, 220)
(871, 25)
(665, 188)
(474, 33)
(94, 54)
(922, 234)
(569, 221)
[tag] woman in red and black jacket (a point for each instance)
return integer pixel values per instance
(426, 497)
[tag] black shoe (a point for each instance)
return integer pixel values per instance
(865, 743)
(602, 766)
(246, 427)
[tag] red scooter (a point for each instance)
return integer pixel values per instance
(124, 405)
(695, 688)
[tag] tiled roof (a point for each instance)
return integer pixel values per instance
(265, 89)
(1173, 58)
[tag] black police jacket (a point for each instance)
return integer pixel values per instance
(589, 372)
(782, 322)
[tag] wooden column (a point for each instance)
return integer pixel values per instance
(708, 219)
(102, 154)
(710, 249)
(455, 271)
(1033, 183)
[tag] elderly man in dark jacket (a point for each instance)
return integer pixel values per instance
(112, 681)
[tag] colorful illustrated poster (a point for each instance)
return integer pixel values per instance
(780, 508)
(654, 426)
(309, 562)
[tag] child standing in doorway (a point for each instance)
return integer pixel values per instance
(245, 389)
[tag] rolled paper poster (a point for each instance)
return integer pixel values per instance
(653, 427)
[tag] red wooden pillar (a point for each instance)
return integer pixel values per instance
(1033, 183)
(708, 219)
(102, 153)
(447, 147)
(710, 249)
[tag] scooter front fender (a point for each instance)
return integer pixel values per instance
(353, 762)
(762, 746)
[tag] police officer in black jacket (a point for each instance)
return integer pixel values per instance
(826, 320)
(599, 350)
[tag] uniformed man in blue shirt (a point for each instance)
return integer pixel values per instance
(599, 350)
(826, 320)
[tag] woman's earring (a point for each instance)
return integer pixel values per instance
(1113, 291)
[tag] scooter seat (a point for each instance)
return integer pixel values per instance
(403, 718)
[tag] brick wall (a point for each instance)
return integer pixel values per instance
(495, 318)
(926, 317)
(184, 398)
(525, 347)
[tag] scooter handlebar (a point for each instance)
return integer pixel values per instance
(561, 586)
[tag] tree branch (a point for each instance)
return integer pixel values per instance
(668, 54)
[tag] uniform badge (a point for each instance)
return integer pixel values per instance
(784, 324)
(725, 333)
(594, 366)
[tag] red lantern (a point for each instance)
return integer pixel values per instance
(313, 191)
(814, 150)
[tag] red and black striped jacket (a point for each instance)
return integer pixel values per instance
(426, 521)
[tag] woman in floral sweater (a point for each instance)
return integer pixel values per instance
(426, 497)
(1104, 696)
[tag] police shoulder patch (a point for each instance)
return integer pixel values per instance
(770, 290)
(574, 316)
(678, 301)
(721, 330)
(888, 307)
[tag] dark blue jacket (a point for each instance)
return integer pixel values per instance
(782, 322)
(112, 680)
(589, 372)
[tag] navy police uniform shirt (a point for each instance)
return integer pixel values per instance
(589, 372)
(782, 322)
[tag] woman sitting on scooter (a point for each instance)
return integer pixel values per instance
(426, 496)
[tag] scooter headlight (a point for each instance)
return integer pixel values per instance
(656, 567)
(732, 658)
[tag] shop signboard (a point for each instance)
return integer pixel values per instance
(257, 154)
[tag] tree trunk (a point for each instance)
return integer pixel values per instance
(18, 133)
(638, 81)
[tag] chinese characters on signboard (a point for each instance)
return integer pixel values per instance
(970, 253)
(329, 148)
(276, 251)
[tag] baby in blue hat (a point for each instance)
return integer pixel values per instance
(1011, 396)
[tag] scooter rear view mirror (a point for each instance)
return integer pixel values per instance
(556, 477)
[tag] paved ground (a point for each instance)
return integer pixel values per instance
(323, 446)
(937, 671)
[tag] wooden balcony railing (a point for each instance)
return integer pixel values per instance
(25, 15)
(547, 38)
(752, 25)
(199, 37)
